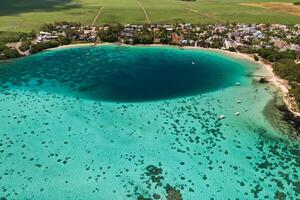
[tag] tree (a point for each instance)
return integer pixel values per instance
(64, 40)
(232, 49)
(287, 69)
(10, 53)
(25, 45)
(41, 46)
(2, 47)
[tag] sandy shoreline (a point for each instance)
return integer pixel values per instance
(279, 83)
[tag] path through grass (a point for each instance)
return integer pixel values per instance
(16, 15)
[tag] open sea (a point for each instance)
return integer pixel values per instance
(119, 122)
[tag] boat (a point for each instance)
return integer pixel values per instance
(222, 117)
(237, 84)
(237, 114)
(193, 62)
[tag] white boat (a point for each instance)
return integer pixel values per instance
(193, 62)
(238, 101)
(237, 84)
(237, 114)
(222, 117)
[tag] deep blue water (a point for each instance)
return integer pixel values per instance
(127, 74)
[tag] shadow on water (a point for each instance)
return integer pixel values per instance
(121, 75)
(15, 7)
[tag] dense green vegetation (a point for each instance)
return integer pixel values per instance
(6, 37)
(110, 35)
(272, 55)
(24, 16)
(11, 53)
(297, 3)
(289, 70)
(25, 45)
(2, 47)
(44, 45)
(285, 67)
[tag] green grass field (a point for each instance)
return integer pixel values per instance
(26, 15)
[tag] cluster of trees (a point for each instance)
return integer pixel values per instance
(111, 34)
(26, 40)
(6, 37)
(35, 48)
(10, 37)
(273, 55)
(297, 3)
(143, 39)
(7, 53)
(285, 67)
(25, 45)
(289, 70)
(53, 27)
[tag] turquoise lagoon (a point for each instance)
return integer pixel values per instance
(112, 122)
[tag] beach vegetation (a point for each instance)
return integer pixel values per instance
(165, 40)
(2, 46)
(143, 39)
(246, 49)
(25, 45)
(64, 40)
(273, 55)
(35, 48)
(288, 69)
(295, 91)
(232, 49)
(10, 53)
(111, 34)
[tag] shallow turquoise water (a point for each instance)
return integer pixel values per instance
(126, 122)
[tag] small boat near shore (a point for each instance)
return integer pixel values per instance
(222, 117)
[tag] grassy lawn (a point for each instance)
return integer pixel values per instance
(26, 15)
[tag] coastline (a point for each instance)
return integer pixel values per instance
(271, 78)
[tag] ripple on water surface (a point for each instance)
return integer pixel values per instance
(82, 124)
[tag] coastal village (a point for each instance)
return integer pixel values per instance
(244, 38)
(228, 37)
